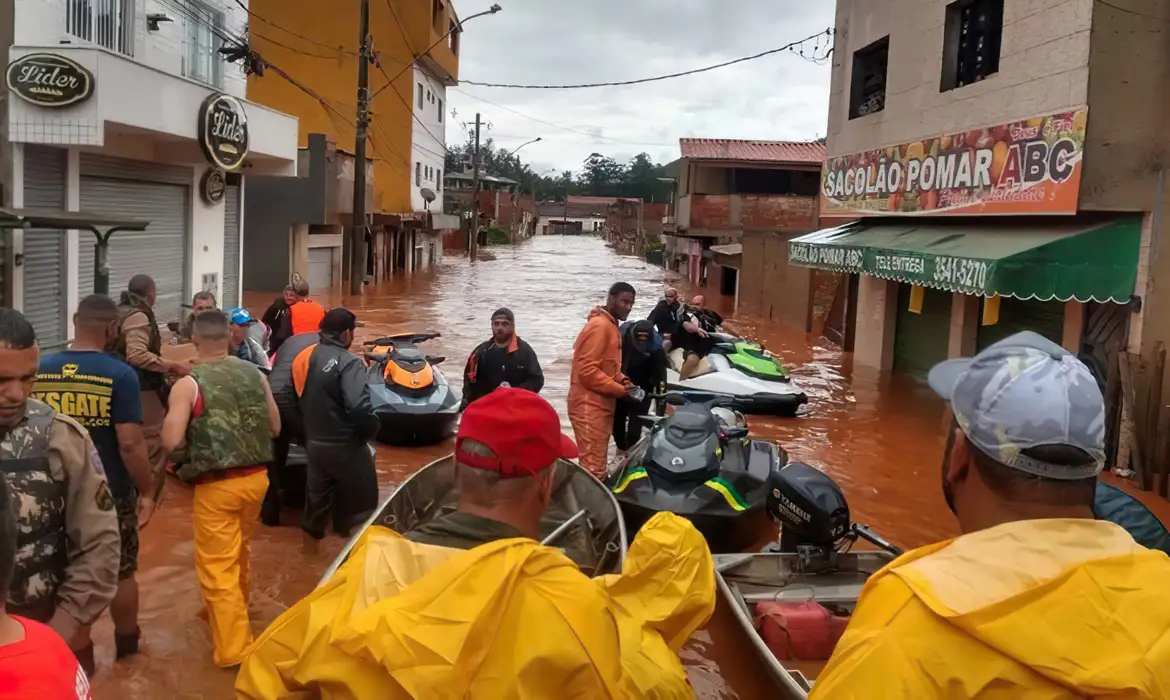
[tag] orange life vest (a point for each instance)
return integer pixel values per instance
(305, 316)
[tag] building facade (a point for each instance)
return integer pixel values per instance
(758, 194)
(407, 83)
(126, 108)
(996, 166)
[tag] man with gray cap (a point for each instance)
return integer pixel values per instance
(1035, 599)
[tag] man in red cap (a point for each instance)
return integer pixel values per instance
(507, 443)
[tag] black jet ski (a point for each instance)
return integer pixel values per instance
(700, 464)
(412, 400)
(754, 377)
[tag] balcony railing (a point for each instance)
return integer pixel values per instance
(107, 23)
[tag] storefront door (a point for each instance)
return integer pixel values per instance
(1015, 315)
(922, 338)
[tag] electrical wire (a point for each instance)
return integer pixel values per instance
(442, 141)
(302, 52)
(342, 49)
(1133, 12)
(558, 126)
(640, 81)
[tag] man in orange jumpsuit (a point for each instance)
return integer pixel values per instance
(596, 382)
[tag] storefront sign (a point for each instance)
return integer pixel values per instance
(839, 259)
(49, 80)
(212, 186)
(1026, 167)
(223, 131)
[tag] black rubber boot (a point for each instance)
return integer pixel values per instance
(126, 644)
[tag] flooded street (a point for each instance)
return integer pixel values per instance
(881, 438)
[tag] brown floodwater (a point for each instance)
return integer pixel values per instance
(880, 437)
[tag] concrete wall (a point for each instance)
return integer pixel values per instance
(1043, 68)
(428, 144)
(769, 287)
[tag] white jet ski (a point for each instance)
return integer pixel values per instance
(745, 370)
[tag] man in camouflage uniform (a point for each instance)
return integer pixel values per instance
(225, 414)
(68, 549)
(140, 344)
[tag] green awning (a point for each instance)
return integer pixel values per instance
(1086, 261)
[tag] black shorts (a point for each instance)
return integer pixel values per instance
(127, 510)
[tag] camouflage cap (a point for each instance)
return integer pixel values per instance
(1023, 392)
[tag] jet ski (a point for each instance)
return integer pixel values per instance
(700, 464)
(412, 400)
(744, 370)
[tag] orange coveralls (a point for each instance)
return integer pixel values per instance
(594, 387)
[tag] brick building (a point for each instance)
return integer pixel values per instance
(1000, 164)
(755, 194)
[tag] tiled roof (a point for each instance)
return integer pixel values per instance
(587, 199)
(758, 151)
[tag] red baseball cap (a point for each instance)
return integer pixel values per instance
(520, 427)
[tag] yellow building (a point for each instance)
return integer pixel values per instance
(316, 43)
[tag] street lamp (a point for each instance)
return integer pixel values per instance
(513, 151)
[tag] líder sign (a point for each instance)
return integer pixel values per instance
(1032, 166)
(223, 131)
(49, 80)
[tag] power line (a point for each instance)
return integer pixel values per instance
(558, 126)
(292, 33)
(639, 81)
(1133, 12)
(302, 52)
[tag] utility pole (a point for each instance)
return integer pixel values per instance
(475, 193)
(357, 237)
(565, 223)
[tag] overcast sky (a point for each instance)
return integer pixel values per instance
(562, 41)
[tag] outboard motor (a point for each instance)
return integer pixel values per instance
(813, 514)
(809, 506)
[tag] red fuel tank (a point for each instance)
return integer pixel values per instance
(803, 631)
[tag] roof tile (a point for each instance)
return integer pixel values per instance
(758, 151)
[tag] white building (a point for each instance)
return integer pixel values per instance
(123, 108)
(428, 144)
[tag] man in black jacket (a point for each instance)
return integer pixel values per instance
(341, 482)
(504, 360)
(284, 487)
(664, 317)
(276, 318)
(644, 364)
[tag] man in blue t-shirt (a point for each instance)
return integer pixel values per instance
(102, 393)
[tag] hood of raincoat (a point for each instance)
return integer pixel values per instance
(510, 619)
(639, 351)
(1033, 609)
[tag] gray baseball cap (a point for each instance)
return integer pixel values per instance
(1023, 392)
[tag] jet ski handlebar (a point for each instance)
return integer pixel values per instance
(379, 357)
(690, 396)
(402, 339)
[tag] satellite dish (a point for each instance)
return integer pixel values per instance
(428, 194)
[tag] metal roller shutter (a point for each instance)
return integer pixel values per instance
(44, 251)
(1015, 315)
(160, 251)
(231, 247)
(321, 268)
(922, 339)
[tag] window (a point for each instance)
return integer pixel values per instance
(440, 111)
(420, 96)
(439, 180)
(108, 23)
(429, 173)
(418, 174)
(798, 183)
(430, 97)
(867, 94)
(437, 15)
(453, 38)
(201, 60)
(974, 30)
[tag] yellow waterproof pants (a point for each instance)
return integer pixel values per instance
(225, 515)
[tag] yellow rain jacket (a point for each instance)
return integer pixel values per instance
(1032, 610)
(509, 619)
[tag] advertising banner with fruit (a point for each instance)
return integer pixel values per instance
(1031, 166)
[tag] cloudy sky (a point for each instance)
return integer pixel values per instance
(560, 41)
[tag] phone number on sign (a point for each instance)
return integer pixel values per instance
(961, 271)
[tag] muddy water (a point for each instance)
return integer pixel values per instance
(881, 439)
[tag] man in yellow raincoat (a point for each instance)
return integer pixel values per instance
(506, 619)
(1036, 600)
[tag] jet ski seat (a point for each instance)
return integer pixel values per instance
(690, 426)
(676, 363)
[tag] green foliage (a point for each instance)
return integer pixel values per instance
(496, 236)
(600, 175)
